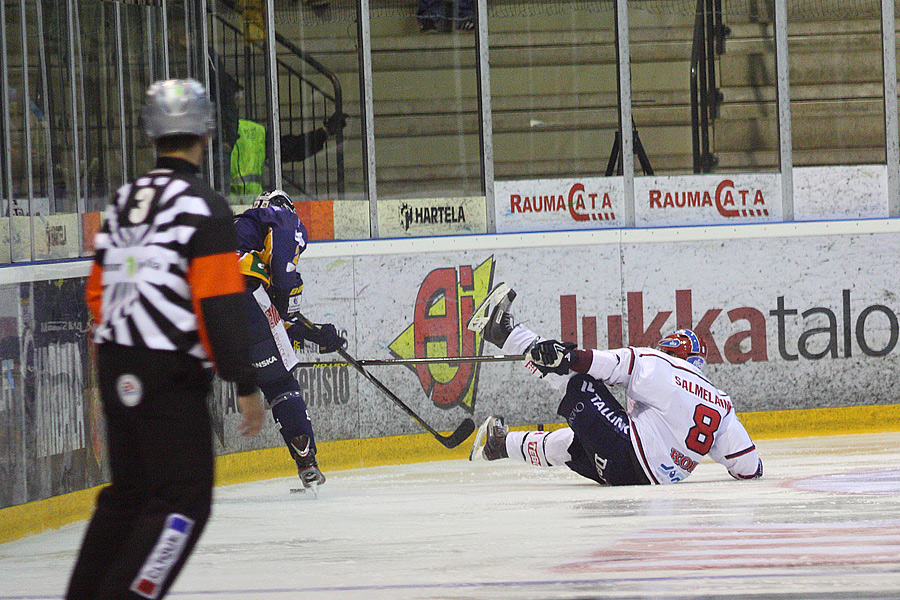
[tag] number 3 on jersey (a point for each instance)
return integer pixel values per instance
(143, 197)
(700, 436)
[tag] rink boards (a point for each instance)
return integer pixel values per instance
(801, 321)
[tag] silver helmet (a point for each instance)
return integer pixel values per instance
(177, 106)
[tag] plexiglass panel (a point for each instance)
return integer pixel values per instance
(425, 99)
(555, 111)
(704, 82)
(235, 66)
(318, 75)
(426, 109)
(103, 117)
(703, 90)
(320, 139)
(553, 86)
(837, 93)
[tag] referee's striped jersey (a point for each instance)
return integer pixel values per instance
(165, 273)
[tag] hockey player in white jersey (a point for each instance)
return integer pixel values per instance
(674, 415)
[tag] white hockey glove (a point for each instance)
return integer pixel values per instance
(757, 475)
(551, 356)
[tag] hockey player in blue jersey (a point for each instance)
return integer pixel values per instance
(270, 240)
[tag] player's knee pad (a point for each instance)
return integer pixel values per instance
(590, 409)
(289, 412)
(277, 385)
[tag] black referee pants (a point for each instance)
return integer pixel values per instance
(160, 453)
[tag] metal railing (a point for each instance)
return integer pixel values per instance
(709, 42)
(306, 103)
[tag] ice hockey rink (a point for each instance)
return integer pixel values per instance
(824, 523)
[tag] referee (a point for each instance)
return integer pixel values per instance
(168, 300)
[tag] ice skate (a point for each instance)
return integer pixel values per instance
(311, 477)
(492, 317)
(307, 467)
(493, 432)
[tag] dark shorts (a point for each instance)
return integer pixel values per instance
(272, 376)
(602, 448)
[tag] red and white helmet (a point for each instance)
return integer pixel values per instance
(686, 345)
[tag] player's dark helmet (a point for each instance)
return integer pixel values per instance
(686, 345)
(274, 198)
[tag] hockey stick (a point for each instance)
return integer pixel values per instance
(378, 362)
(453, 440)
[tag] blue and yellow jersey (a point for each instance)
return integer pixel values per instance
(270, 241)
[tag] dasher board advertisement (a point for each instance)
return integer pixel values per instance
(559, 204)
(791, 322)
(801, 321)
(416, 217)
(707, 199)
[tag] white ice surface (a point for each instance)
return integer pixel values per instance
(823, 523)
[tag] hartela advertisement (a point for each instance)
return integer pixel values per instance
(431, 216)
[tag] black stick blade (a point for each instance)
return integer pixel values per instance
(456, 438)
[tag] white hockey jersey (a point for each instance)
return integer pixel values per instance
(677, 415)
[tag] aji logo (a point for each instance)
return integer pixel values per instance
(446, 299)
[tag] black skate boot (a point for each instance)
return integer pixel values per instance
(492, 317)
(307, 467)
(493, 432)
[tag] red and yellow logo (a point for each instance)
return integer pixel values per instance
(447, 298)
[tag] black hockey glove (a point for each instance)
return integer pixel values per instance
(551, 356)
(325, 336)
(335, 123)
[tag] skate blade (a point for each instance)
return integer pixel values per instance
(480, 316)
(477, 453)
(313, 489)
(477, 447)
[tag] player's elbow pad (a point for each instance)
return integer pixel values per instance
(757, 475)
